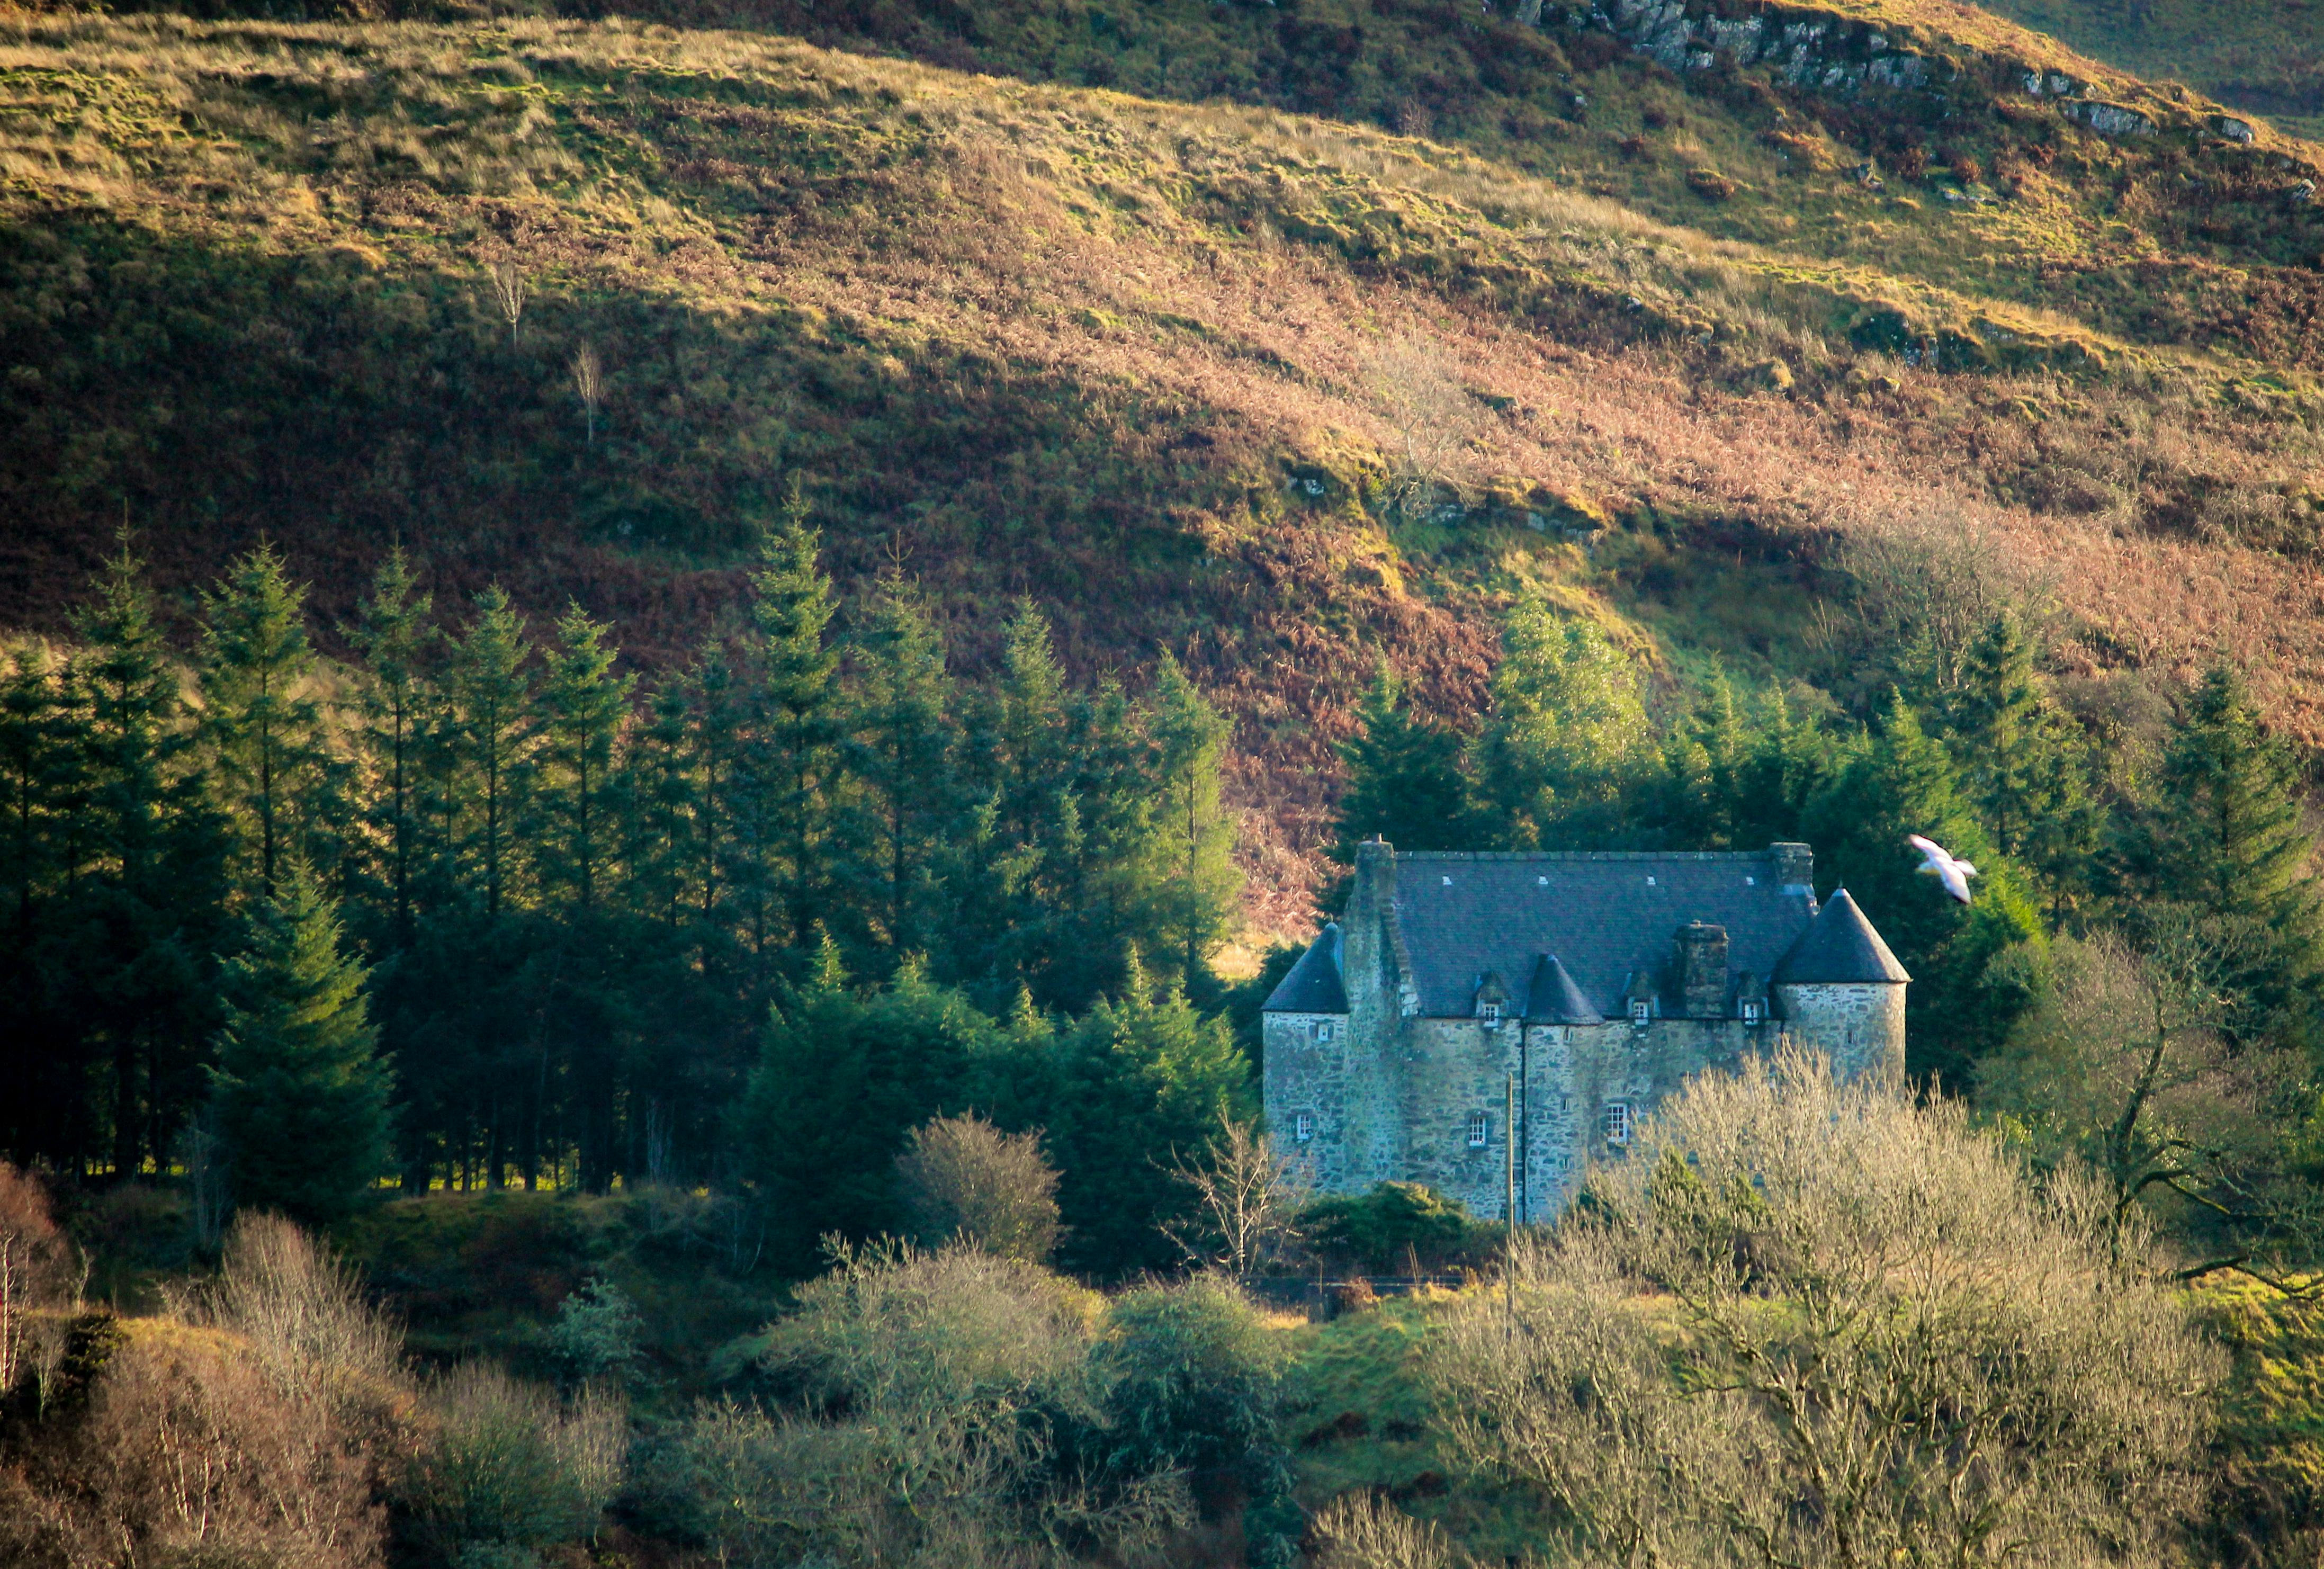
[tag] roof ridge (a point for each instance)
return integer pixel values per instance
(1583, 855)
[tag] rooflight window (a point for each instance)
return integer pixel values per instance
(1750, 881)
(1650, 881)
(1480, 1130)
(1448, 882)
(1541, 883)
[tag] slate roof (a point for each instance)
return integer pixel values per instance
(1554, 999)
(1840, 944)
(1312, 985)
(1608, 915)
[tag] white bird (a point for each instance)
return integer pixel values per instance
(1934, 858)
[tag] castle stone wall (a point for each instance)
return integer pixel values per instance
(1860, 1028)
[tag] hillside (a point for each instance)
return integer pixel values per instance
(1723, 355)
(2267, 58)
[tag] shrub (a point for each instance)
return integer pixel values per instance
(1395, 1224)
(303, 1313)
(1816, 1324)
(1360, 1531)
(507, 1466)
(962, 1180)
(595, 1335)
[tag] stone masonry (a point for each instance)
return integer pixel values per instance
(1600, 981)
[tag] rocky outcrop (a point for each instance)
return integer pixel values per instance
(1820, 52)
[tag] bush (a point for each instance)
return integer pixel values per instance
(962, 1180)
(36, 1269)
(595, 1335)
(1395, 1226)
(1816, 1324)
(507, 1466)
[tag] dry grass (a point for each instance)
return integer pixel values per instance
(1208, 289)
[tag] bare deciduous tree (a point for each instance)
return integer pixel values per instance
(508, 292)
(964, 1180)
(36, 1268)
(1360, 1531)
(1813, 1324)
(1247, 1201)
(589, 384)
(1431, 418)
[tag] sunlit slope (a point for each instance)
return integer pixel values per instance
(1156, 366)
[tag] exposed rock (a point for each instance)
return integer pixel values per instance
(2111, 119)
(2232, 129)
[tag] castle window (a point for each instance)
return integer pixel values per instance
(1480, 1130)
(1616, 1122)
(1302, 1127)
(1324, 1030)
(1641, 1010)
(1490, 1013)
(1754, 1010)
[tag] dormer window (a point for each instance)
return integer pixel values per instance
(1490, 1013)
(1755, 1008)
(1480, 1130)
(1642, 1009)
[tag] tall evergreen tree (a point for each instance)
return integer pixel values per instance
(151, 885)
(1203, 889)
(263, 733)
(492, 702)
(301, 1093)
(40, 777)
(394, 635)
(1405, 778)
(796, 724)
(1902, 781)
(2024, 765)
(1567, 743)
(899, 749)
(583, 704)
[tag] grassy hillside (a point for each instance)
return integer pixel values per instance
(2266, 56)
(1162, 365)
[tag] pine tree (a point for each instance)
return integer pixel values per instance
(664, 844)
(899, 750)
(492, 701)
(2229, 839)
(582, 707)
(1902, 781)
(300, 1091)
(1200, 898)
(392, 633)
(263, 733)
(40, 780)
(150, 879)
(796, 727)
(1567, 742)
(1405, 778)
(2024, 767)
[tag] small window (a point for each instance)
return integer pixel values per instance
(1480, 1130)
(1750, 881)
(1448, 882)
(1754, 1010)
(1302, 1127)
(1617, 1122)
(1541, 883)
(1490, 1013)
(1650, 883)
(1324, 1030)
(1641, 1010)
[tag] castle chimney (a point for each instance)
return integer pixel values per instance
(1794, 868)
(1702, 970)
(1375, 888)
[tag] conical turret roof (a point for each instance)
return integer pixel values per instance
(1554, 999)
(1314, 984)
(1839, 948)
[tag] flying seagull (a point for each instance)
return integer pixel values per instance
(1954, 874)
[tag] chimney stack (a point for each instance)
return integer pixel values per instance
(1702, 970)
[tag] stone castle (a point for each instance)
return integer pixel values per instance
(1602, 981)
